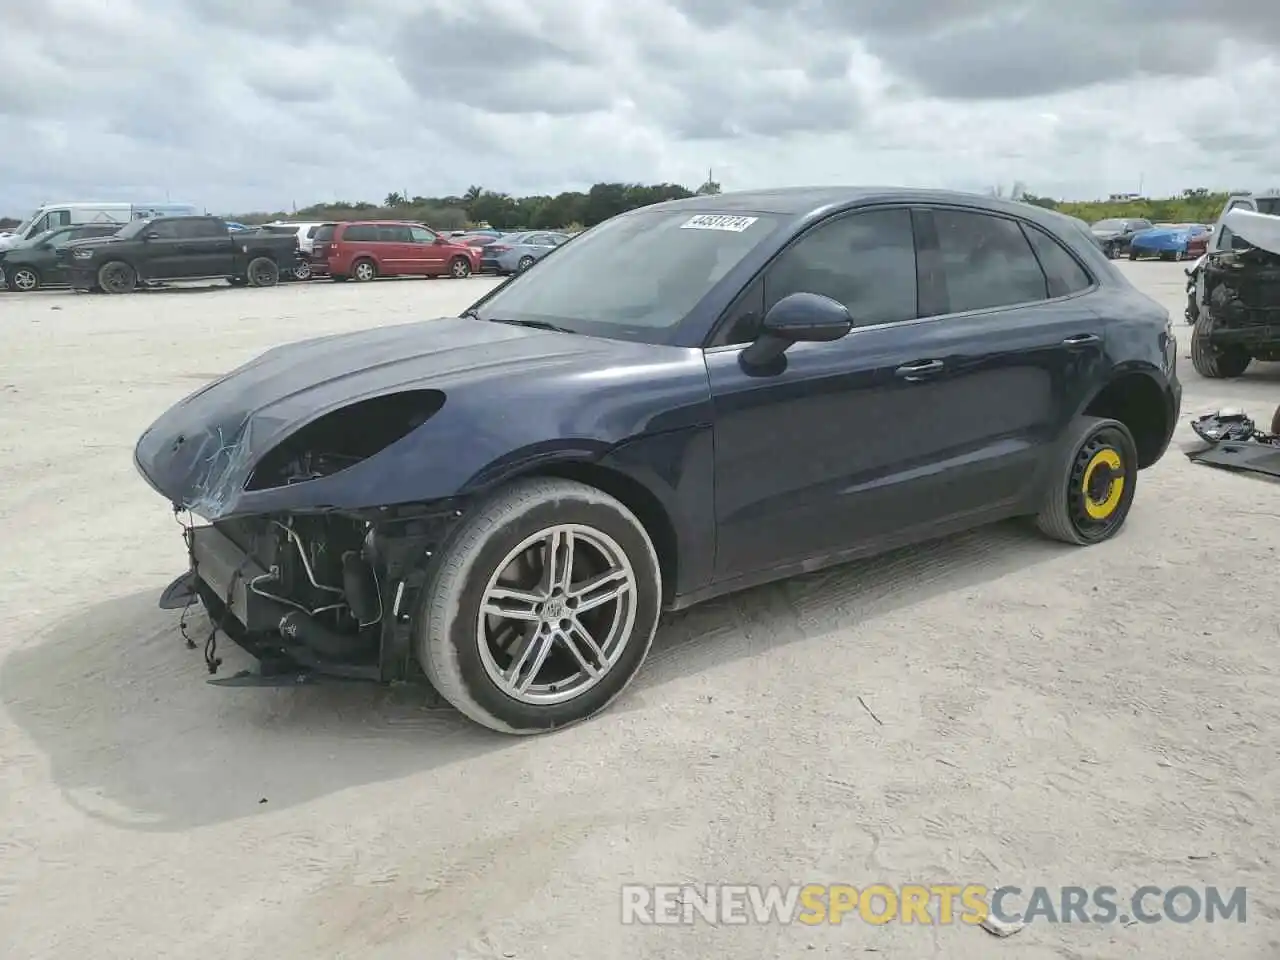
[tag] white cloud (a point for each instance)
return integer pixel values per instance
(297, 101)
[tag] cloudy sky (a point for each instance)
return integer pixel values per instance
(243, 105)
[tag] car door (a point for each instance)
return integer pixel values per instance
(208, 248)
(1019, 345)
(839, 449)
(55, 267)
(397, 253)
(167, 256)
(427, 254)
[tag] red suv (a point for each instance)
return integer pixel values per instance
(368, 249)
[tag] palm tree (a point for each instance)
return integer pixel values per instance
(473, 194)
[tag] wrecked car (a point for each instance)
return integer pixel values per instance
(501, 503)
(1237, 298)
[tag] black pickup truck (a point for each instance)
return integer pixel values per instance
(180, 248)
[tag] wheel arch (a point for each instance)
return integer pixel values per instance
(631, 492)
(1137, 397)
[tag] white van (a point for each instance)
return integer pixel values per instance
(71, 212)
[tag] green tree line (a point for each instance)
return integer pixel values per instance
(577, 209)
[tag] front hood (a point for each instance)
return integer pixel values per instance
(201, 453)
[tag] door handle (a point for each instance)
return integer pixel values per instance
(920, 370)
(1081, 340)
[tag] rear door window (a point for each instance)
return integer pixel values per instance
(394, 234)
(986, 262)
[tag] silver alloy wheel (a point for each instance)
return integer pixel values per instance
(557, 614)
(25, 279)
(525, 263)
(364, 270)
(460, 269)
(302, 271)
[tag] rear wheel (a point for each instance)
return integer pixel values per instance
(117, 277)
(1215, 361)
(543, 608)
(262, 272)
(23, 279)
(302, 271)
(525, 263)
(363, 271)
(1093, 484)
(459, 268)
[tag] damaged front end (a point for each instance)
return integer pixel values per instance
(1242, 294)
(286, 566)
(315, 595)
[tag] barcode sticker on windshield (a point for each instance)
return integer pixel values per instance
(708, 221)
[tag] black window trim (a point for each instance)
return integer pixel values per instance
(926, 241)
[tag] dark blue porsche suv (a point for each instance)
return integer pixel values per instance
(686, 400)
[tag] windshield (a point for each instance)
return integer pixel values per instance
(633, 277)
(133, 228)
(1110, 225)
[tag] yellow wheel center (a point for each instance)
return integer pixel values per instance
(1102, 503)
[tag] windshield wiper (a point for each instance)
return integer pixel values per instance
(535, 324)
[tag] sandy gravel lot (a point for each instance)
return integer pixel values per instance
(1046, 715)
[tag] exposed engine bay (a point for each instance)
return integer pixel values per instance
(1232, 440)
(315, 593)
(1242, 285)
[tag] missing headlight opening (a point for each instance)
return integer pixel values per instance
(345, 437)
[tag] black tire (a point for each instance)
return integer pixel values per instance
(459, 268)
(362, 271)
(1133, 254)
(262, 272)
(524, 263)
(22, 279)
(448, 637)
(1222, 362)
(116, 276)
(1072, 512)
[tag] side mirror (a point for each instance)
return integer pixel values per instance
(797, 318)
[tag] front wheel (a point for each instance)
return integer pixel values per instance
(302, 271)
(1133, 254)
(23, 279)
(543, 607)
(117, 277)
(459, 268)
(1215, 361)
(1092, 486)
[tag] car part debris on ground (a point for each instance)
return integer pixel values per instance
(1232, 440)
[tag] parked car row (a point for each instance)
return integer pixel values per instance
(1137, 238)
(114, 258)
